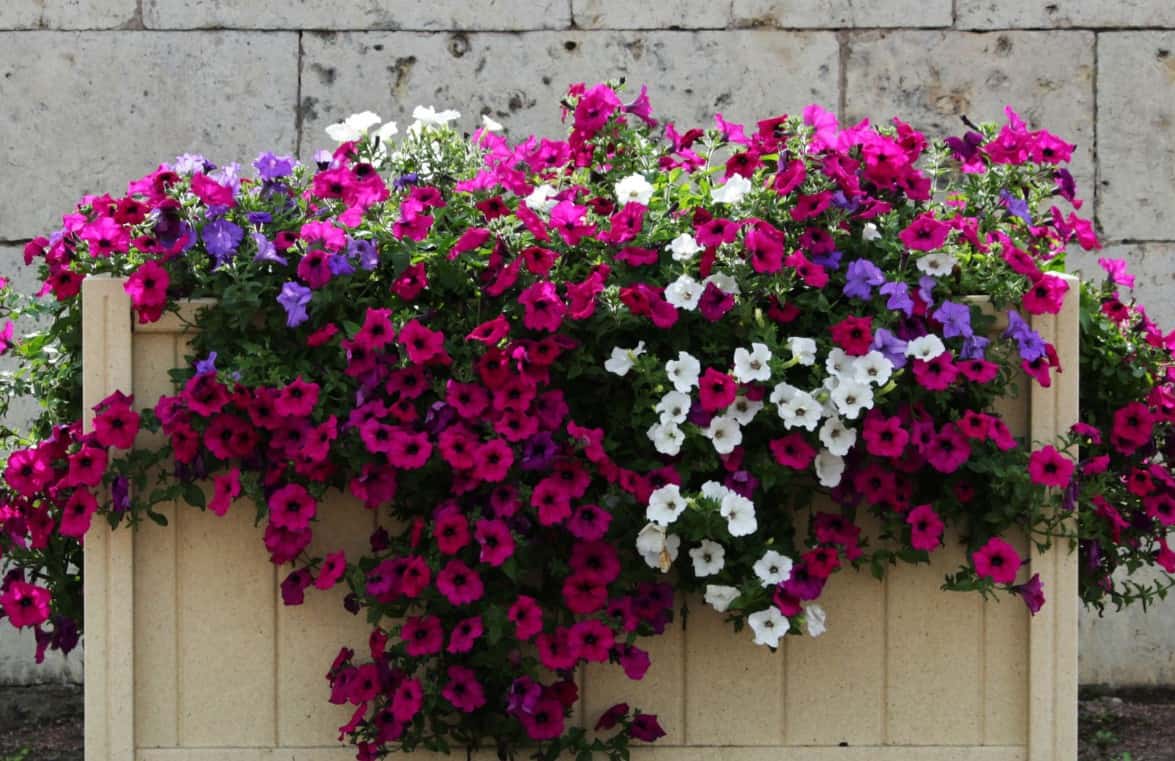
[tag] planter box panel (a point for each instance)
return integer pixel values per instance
(192, 657)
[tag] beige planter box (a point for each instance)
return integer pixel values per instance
(190, 655)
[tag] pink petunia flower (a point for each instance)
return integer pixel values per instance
(25, 604)
(997, 560)
(422, 635)
(465, 633)
(1048, 467)
(925, 528)
(463, 690)
(225, 488)
(291, 507)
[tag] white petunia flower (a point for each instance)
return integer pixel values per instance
(870, 232)
(665, 505)
(769, 626)
(936, 265)
(837, 438)
(735, 189)
(667, 438)
(542, 198)
(622, 359)
(386, 133)
(724, 433)
(715, 491)
(839, 364)
(829, 468)
(743, 410)
(925, 348)
(673, 407)
(751, 366)
(666, 556)
(651, 539)
(428, 115)
(815, 619)
(782, 393)
(739, 513)
(684, 248)
(489, 125)
(684, 293)
(354, 127)
(773, 568)
(684, 371)
(634, 188)
(874, 368)
(724, 283)
(850, 397)
(801, 411)
(709, 558)
(720, 597)
(803, 350)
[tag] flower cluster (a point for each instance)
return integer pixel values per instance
(582, 380)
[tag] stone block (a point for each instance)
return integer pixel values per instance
(1012, 14)
(1135, 133)
(623, 14)
(371, 14)
(68, 14)
(518, 79)
(838, 14)
(86, 112)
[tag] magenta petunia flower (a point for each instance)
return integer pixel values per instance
(925, 528)
(422, 635)
(527, 617)
(497, 543)
(793, 451)
(225, 488)
(334, 565)
(147, 287)
(545, 721)
(459, 583)
(463, 690)
(925, 233)
(646, 728)
(1048, 467)
(1032, 592)
(853, 334)
(407, 700)
(25, 604)
(291, 507)
(997, 560)
(465, 633)
(78, 513)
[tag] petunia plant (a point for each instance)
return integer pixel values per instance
(583, 382)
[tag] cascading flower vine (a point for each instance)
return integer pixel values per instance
(580, 379)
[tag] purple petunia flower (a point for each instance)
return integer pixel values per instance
(266, 251)
(229, 176)
(955, 319)
(120, 494)
(322, 158)
(339, 265)
(271, 167)
(221, 239)
(892, 347)
(190, 163)
(404, 180)
(364, 251)
(899, 298)
(1029, 342)
(294, 298)
(829, 261)
(206, 365)
(259, 218)
(862, 277)
(926, 285)
(974, 347)
(1016, 206)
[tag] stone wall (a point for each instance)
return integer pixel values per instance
(94, 92)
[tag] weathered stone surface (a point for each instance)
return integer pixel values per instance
(625, 14)
(1004, 14)
(1136, 125)
(370, 14)
(67, 14)
(931, 79)
(519, 78)
(830, 14)
(86, 112)
(1153, 267)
